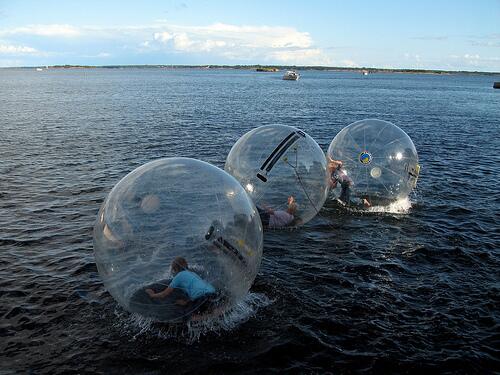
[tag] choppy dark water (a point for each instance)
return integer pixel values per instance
(371, 293)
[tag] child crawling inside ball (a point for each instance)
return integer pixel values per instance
(279, 218)
(200, 293)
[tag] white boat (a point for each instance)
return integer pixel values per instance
(365, 72)
(291, 75)
(39, 69)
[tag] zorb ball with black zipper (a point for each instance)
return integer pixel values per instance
(276, 162)
(177, 207)
(379, 162)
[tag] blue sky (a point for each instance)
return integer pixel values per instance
(439, 34)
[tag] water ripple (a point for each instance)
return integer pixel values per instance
(408, 289)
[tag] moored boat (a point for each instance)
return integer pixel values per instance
(291, 75)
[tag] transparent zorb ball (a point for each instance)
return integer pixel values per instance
(171, 208)
(374, 161)
(283, 170)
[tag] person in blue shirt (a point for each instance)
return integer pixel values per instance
(193, 286)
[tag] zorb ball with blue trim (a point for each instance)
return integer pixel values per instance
(281, 166)
(372, 160)
(170, 208)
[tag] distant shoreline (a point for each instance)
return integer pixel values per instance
(265, 67)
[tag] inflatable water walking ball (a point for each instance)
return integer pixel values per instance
(170, 208)
(372, 160)
(283, 170)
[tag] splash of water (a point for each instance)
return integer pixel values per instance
(401, 206)
(137, 325)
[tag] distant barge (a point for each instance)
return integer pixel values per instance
(496, 85)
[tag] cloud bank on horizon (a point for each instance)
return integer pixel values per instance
(26, 43)
(219, 43)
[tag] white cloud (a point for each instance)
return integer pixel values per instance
(474, 61)
(311, 56)
(183, 43)
(54, 30)
(268, 43)
(222, 42)
(162, 37)
(273, 44)
(100, 55)
(472, 57)
(255, 37)
(252, 36)
(8, 49)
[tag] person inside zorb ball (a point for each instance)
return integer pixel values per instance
(372, 162)
(178, 239)
(283, 170)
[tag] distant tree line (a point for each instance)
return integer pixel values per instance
(271, 68)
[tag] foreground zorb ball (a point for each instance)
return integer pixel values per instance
(170, 208)
(278, 165)
(379, 163)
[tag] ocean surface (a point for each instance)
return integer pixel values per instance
(408, 290)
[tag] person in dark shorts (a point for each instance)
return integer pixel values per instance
(338, 176)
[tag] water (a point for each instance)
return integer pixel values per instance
(410, 290)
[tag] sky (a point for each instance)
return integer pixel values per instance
(423, 34)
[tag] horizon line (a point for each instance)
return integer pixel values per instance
(252, 66)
